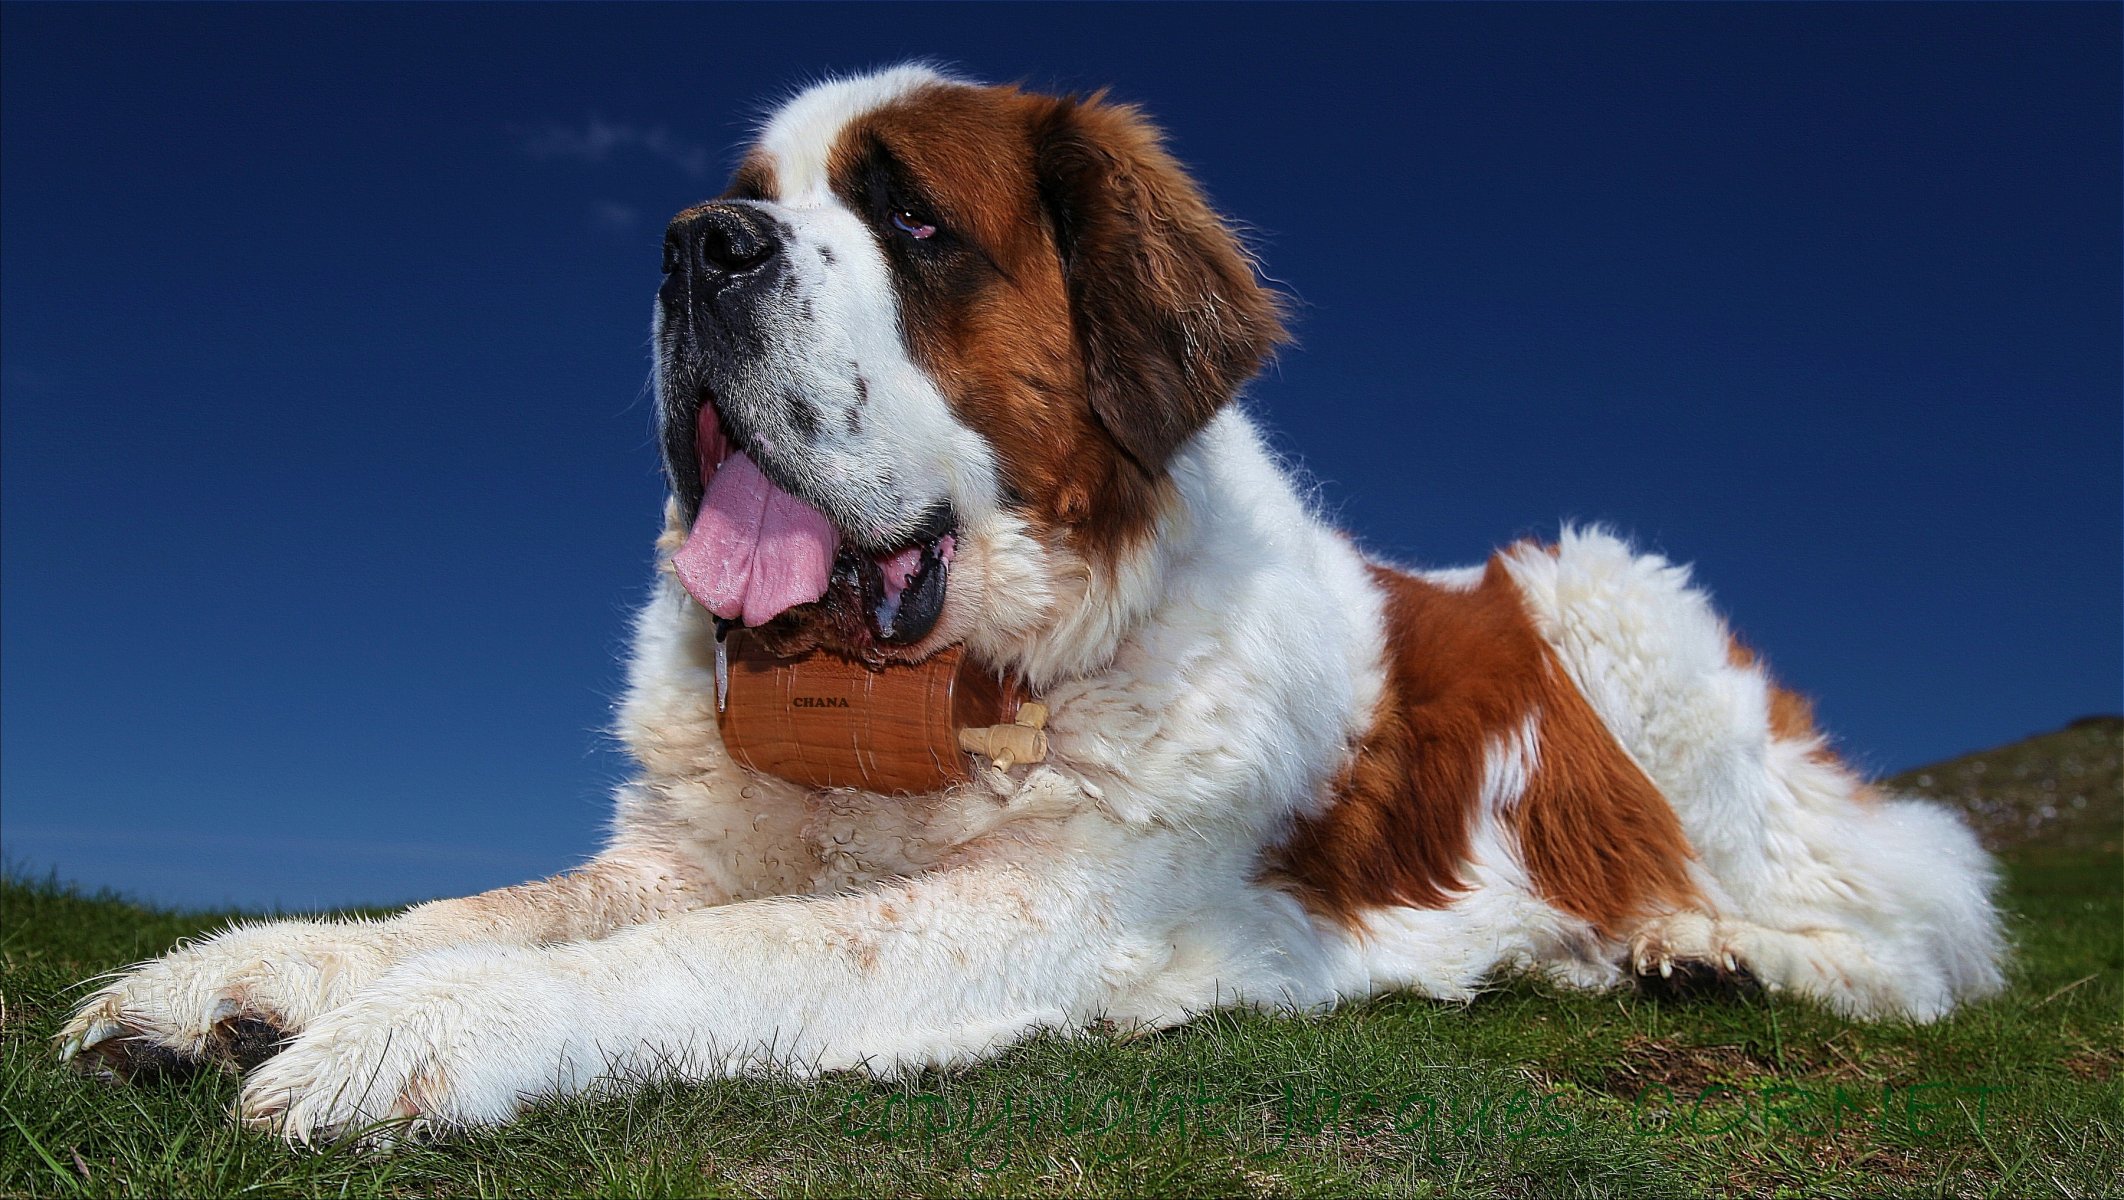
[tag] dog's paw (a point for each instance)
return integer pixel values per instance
(449, 1040)
(1687, 953)
(229, 1001)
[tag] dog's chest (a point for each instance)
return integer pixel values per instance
(766, 837)
(855, 838)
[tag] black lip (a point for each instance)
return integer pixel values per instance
(681, 436)
(857, 593)
(937, 520)
(921, 601)
(922, 605)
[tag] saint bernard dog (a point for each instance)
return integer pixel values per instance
(955, 365)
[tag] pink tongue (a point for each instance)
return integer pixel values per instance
(755, 550)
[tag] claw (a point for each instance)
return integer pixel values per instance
(1732, 964)
(1666, 968)
(95, 1035)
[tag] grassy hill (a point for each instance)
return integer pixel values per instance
(1525, 1091)
(2053, 791)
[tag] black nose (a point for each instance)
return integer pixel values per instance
(720, 239)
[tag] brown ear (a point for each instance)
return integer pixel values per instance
(1167, 310)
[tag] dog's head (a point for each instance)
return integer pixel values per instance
(929, 356)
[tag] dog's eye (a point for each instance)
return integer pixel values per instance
(912, 225)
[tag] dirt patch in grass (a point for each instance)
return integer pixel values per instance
(1850, 1156)
(2098, 1065)
(1688, 1070)
(1685, 1070)
(1841, 1059)
(1775, 1126)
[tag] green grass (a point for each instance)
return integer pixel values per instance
(1527, 1090)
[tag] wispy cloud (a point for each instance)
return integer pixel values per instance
(611, 216)
(598, 140)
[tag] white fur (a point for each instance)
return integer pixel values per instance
(802, 130)
(1873, 906)
(1203, 696)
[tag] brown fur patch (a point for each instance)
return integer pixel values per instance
(1081, 304)
(753, 180)
(1791, 714)
(1792, 718)
(1598, 839)
(1464, 671)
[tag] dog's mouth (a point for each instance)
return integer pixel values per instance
(757, 551)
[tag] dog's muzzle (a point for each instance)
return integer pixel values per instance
(760, 544)
(722, 262)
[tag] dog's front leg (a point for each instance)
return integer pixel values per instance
(943, 967)
(232, 998)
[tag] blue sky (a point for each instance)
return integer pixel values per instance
(328, 483)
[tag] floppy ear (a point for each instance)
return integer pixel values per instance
(1163, 297)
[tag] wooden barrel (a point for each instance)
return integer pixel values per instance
(826, 721)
